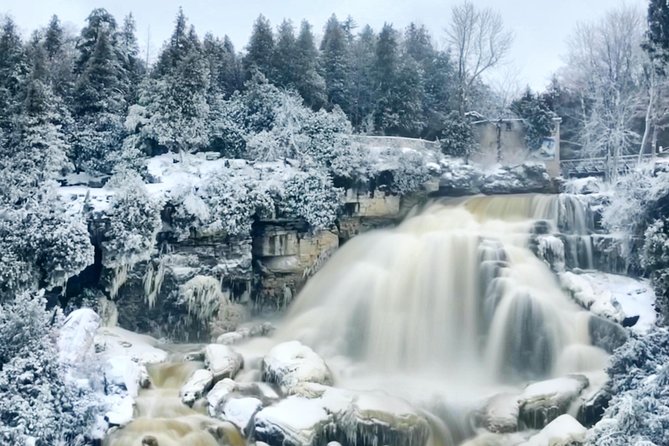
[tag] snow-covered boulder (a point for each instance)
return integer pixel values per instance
(222, 361)
(240, 411)
(562, 431)
(295, 421)
(524, 178)
(500, 414)
(245, 332)
(196, 386)
(115, 341)
(77, 336)
(218, 393)
(291, 363)
(542, 402)
(121, 410)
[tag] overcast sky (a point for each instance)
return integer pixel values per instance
(541, 27)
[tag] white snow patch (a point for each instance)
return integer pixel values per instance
(239, 411)
(562, 431)
(77, 336)
(613, 296)
(116, 341)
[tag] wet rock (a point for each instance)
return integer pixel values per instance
(605, 334)
(562, 431)
(245, 332)
(544, 401)
(222, 361)
(149, 440)
(291, 363)
(592, 409)
(196, 386)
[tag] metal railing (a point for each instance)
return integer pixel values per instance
(602, 165)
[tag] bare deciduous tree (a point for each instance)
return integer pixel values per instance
(606, 64)
(479, 42)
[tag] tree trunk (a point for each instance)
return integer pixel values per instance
(649, 116)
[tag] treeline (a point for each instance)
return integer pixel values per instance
(91, 100)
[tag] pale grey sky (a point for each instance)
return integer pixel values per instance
(541, 27)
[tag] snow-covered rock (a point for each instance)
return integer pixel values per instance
(115, 341)
(240, 411)
(245, 332)
(605, 334)
(196, 386)
(77, 336)
(500, 414)
(542, 402)
(295, 421)
(291, 363)
(458, 178)
(222, 361)
(218, 393)
(562, 431)
(615, 297)
(126, 374)
(121, 410)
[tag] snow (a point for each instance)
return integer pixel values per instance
(196, 386)
(222, 360)
(218, 393)
(125, 373)
(77, 336)
(562, 431)
(613, 296)
(239, 411)
(296, 418)
(552, 388)
(122, 410)
(291, 363)
(116, 341)
(76, 197)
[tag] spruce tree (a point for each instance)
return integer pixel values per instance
(99, 21)
(657, 44)
(54, 38)
(13, 69)
(133, 66)
(309, 83)
(284, 56)
(260, 48)
(386, 62)
(335, 63)
(362, 80)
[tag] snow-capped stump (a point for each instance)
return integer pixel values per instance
(562, 431)
(542, 402)
(605, 334)
(196, 386)
(500, 414)
(77, 336)
(377, 418)
(294, 421)
(291, 363)
(240, 411)
(222, 361)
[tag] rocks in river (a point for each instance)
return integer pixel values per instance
(562, 431)
(240, 412)
(295, 421)
(196, 386)
(542, 402)
(222, 361)
(291, 363)
(500, 414)
(592, 409)
(319, 414)
(245, 332)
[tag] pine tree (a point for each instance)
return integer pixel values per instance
(309, 83)
(99, 21)
(13, 68)
(260, 48)
(284, 56)
(386, 62)
(657, 44)
(362, 81)
(224, 75)
(54, 38)
(335, 63)
(133, 66)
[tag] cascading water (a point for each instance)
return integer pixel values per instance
(452, 301)
(162, 420)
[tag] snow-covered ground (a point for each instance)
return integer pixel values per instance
(613, 296)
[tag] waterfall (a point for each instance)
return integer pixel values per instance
(454, 288)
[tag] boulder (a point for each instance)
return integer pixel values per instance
(542, 402)
(218, 393)
(500, 414)
(562, 431)
(295, 421)
(291, 363)
(240, 411)
(196, 386)
(222, 361)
